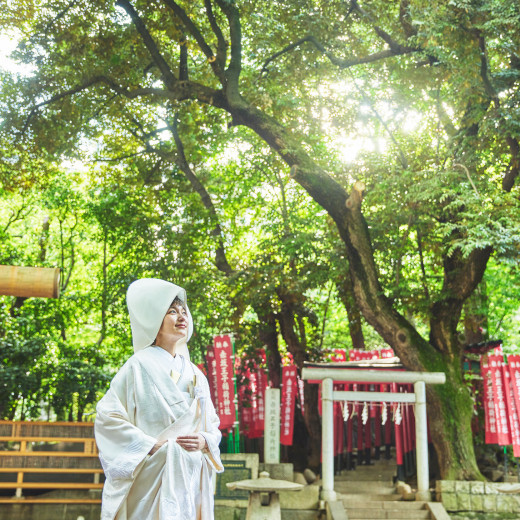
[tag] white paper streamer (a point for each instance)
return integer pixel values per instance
(344, 409)
(398, 417)
(384, 414)
(364, 414)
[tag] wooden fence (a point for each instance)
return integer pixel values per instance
(48, 456)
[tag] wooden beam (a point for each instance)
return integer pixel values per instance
(27, 282)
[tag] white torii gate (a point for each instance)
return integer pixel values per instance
(419, 379)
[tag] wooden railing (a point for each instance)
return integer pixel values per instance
(22, 457)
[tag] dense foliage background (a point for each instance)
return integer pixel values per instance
(216, 144)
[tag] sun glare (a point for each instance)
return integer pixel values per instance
(8, 43)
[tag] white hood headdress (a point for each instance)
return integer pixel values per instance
(148, 300)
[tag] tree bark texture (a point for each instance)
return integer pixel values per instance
(268, 336)
(346, 294)
(311, 417)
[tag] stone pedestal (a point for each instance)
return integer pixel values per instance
(264, 502)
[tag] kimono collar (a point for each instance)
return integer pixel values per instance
(148, 300)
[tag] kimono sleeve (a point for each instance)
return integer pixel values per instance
(210, 429)
(122, 445)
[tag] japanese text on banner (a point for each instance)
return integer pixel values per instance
(225, 385)
(289, 389)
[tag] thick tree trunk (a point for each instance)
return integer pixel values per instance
(450, 413)
(448, 423)
(475, 316)
(346, 294)
(311, 417)
(268, 336)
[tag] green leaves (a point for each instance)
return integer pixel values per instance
(428, 133)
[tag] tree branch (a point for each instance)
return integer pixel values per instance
(340, 62)
(183, 59)
(220, 254)
(490, 90)
(121, 157)
(61, 14)
(461, 277)
(514, 165)
(15, 216)
(421, 261)
(180, 160)
(195, 32)
(235, 31)
(222, 44)
(394, 46)
(168, 77)
(405, 19)
(513, 169)
(402, 156)
(469, 178)
(183, 90)
(448, 126)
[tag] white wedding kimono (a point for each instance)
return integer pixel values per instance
(142, 406)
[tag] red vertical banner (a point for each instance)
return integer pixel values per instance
(244, 399)
(261, 385)
(490, 420)
(256, 426)
(514, 370)
(347, 416)
(212, 375)
(226, 389)
(398, 418)
(289, 389)
(301, 394)
(499, 398)
(512, 410)
(338, 428)
(373, 406)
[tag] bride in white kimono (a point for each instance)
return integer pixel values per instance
(156, 427)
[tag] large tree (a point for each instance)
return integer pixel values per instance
(292, 72)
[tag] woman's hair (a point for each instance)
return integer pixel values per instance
(178, 301)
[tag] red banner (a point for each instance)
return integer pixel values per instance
(301, 394)
(244, 399)
(338, 425)
(289, 389)
(512, 412)
(258, 386)
(226, 389)
(212, 375)
(499, 398)
(338, 355)
(366, 355)
(514, 370)
(490, 420)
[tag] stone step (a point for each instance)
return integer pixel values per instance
(369, 476)
(396, 514)
(388, 504)
(352, 497)
(359, 470)
(363, 487)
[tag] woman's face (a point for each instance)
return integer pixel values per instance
(175, 324)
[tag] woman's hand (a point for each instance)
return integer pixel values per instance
(156, 446)
(193, 442)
